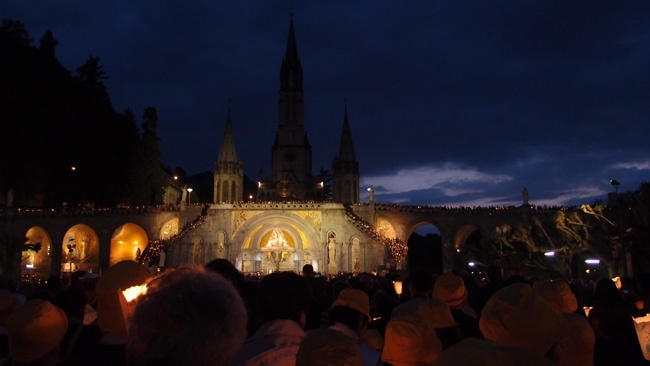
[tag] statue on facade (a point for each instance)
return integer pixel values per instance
(161, 258)
(524, 194)
(331, 249)
(277, 240)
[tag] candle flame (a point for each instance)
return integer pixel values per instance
(132, 293)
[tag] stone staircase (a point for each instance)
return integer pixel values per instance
(396, 246)
(153, 248)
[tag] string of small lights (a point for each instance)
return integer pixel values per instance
(155, 246)
(395, 246)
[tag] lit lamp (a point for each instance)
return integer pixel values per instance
(398, 287)
(189, 195)
(549, 254)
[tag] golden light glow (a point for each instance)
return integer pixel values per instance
(398, 287)
(134, 292)
(287, 237)
(127, 243)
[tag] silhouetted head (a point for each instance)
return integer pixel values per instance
(283, 295)
(225, 268)
(308, 270)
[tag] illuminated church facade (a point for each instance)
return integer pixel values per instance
(290, 223)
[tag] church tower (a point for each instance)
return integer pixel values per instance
(291, 177)
(345, 168)
(229, 170)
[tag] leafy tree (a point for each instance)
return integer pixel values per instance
(15, 32)
(92, 71)
(48, 44)
(148, 187)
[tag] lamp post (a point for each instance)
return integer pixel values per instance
(621, 226)
(189, 195)
(615, 184)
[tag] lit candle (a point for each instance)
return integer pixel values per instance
(398, 287)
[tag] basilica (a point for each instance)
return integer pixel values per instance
(291, 177)
(291, 222)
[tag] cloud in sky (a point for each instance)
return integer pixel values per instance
(472, 101)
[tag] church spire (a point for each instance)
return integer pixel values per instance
(229, 169)
(291, 71)
(228, 152)
(346, 147)
(345, 167)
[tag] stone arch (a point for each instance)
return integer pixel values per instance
(37, 264)
(80, 248)
(224, 191)
(127, 243)
(247, 241)
(169, 229)
(464, 238)
(385, 228)
(424, 242)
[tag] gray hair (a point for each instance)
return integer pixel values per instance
(187, 317)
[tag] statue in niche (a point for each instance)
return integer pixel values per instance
(356, 259)
(331, 248)
(277, 240)
(137, 254)
(161, 258)
(308, 258)
(198, 254)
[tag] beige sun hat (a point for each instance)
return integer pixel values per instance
(450, 288)
(326, 347)
(355, 299)
(482, 352)
(436, 313)
(558, 294)
(34, 329)
(515, 315)
(410, 341)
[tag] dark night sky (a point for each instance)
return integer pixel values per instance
(450, 102)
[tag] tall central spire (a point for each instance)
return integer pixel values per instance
(291, 71)
(291, 160)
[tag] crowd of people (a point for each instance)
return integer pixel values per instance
(215, 315)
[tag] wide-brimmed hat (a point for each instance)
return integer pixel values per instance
(34, 329)
(481, 352)
(558, 294)
(410, 341)
(517, 316)
(328, 347)
(355, 299)
(450, 288)
(436, 313)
